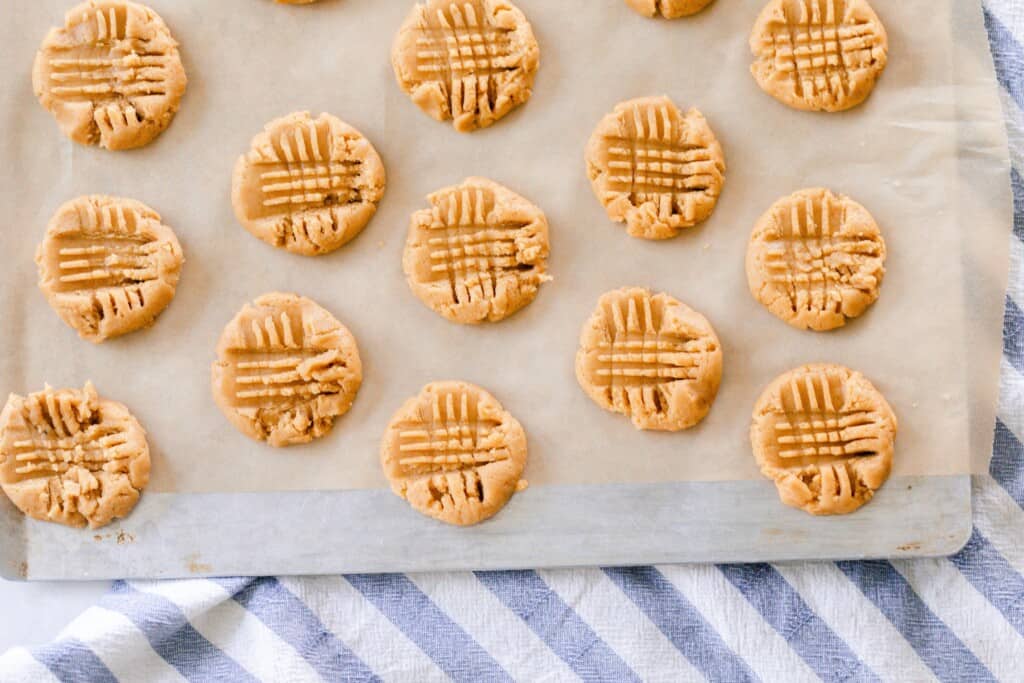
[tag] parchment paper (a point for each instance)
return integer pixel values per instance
(249, 61)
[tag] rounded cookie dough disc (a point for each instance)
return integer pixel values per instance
(471, 61)
(655, 168)
(307, 185)
(285, 369)
(478, 253)
(816, 259)
(650, 358)
(71, 457)
(108, 266)
(825, 435)
(454, 453)
(111, 76)
(669, 9)
(818, 55)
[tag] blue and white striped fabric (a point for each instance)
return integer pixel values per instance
(955, 619)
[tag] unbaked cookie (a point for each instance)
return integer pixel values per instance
(454, 453)
(111, 76)
(816, 259)
(655, 168)
(825, 435)
(285, 369)
(71, 457)
(650, 358)
(307, 185)
(471, 61)
(818, 55)
(108, 265)
(670, 9)
(478, 253)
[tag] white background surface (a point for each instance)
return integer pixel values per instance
(32, 614)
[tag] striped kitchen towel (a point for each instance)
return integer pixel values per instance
(955, 619)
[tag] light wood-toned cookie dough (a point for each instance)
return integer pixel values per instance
(650, 358)
(818, 55)
(285, 369)
(816, 259)
(655, 168)
(307, 185)
(669, 9)
(825, 435)
(111, 76)
(71, 457)
(471, 61)
(479, 253)
(108, 265)
(454, 453)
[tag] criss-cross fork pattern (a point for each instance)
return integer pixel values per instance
(819, 47)
(303, 172)
(458, 51)
(650, 163)
(648, 169)
(298, 185)
(817, 425)
(109, 255)
(101, 78)
(469, 249)
(801, 256)
(448, 437)
(95, 449)
(58, 433)
(275, 375)
(272, 364)
(640, 360)
(95, 263)
(129, 69)
(461, 49)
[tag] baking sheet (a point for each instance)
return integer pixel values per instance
(169, 535)
(249, 62)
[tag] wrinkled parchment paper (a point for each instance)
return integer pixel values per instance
(249, 61)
